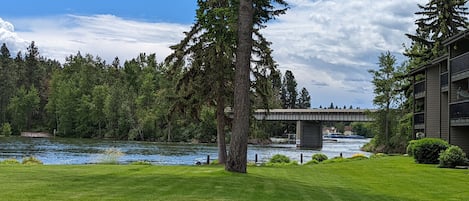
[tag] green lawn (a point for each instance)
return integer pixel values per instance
(389, 178)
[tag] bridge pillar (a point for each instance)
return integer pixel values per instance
(309, 134)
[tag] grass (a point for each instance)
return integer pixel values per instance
(388, 178)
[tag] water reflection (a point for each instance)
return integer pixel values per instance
(84, 151)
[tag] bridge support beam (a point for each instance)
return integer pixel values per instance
(309, 134)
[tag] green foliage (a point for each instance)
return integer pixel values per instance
(452, 157)
(141, 163)
(5, 130)
(363, 129)
(312, 162)
(31, 161)
(358, 157)
(378, 155)
(410, 147)
(10, 161)
(427, 150)
(279, 158)
(319, 157)
(111, 156)
(335, 160)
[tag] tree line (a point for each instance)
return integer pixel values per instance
(89, 98)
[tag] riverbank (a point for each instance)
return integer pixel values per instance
(35, 134)
(388, 178)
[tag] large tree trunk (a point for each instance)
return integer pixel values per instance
(237, 157)
(221, 129)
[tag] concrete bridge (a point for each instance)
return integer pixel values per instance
(309, 121)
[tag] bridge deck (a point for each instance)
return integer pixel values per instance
(346, 115)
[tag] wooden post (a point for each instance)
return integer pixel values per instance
(256, 158)
(208, 159)
(301, 158)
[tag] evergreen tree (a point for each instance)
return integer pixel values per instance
(7, 81)
(289, 91)
(304, 102)
(210, 45)
(440, 20)
(386, 82)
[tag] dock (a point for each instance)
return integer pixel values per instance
(35, 134)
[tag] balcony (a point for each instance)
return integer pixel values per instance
(460, 67)
(419, 89)
(459, 113)
(444, 81)
(419, 120)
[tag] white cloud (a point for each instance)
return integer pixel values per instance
(10, 38)
(331, 44)
(105, 35)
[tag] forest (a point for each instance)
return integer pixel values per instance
(88, 98)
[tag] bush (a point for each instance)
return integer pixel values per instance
(320, 157)
(335, 160)
(452, 157)
(410, 147)
(111, 156)
(141, 163)
(428, 150)
(358, 157)
(312, 162)
(31, 161)
(10, 161)
(279, 158)
(5, 130)
(378, 155)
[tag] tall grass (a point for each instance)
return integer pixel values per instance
(110, 156)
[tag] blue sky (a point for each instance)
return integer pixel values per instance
(176, 11)
(328, 44)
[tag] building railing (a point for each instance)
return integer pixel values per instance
(444, 80)
(459, 110)
(419, 87)
(419, 118)
(460, 64)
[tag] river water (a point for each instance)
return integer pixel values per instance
(85, 151)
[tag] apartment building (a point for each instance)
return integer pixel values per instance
(441, 94)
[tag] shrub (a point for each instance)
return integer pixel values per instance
(5, 130)
(358, 157)
(378, 155)
(320, 157)
(452, 157)
(141, 163)
(336, 160)
(31, 161)
(410, 147)
(10, 161)
(312, 162)
(279, 158)
(427, 150)
(111, 156)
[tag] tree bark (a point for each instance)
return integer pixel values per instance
(237, 157)
(221, 130)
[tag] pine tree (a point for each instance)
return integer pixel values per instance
(304, 102)
(440, 20)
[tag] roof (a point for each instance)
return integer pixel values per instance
(456, 37)
(428, 64)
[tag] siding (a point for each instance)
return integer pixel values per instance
(460, 137)
(433, 90)
(444, 117)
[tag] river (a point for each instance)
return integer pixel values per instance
(52, 151)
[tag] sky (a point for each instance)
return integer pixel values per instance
(329, 45)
